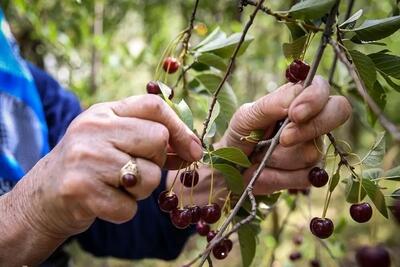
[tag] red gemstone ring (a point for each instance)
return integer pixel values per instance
(129, 174)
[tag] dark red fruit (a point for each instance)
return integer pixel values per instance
(202, 228)
(318, 177)
(211, 235)
(211, 213)
(167, 201)
(220, 251)
(297, 240)
(294, 256)
(190, 178)
(321, 227)
(227, 243)
(181, 218)
(153, 88)
(396, 210)
(373, 257)
(171, 64)
(195, 213)
(297, 71)
(315, 263)
(361, 212)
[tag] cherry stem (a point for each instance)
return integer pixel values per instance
(191, 189)
(176, 176)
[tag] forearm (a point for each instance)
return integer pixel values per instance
(22, 241)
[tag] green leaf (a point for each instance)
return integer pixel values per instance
(213, 61)
(379, 95)
(224, 47)
(232, 176)
(185, 114)
(166, 92)
(392, 174)
(269, 199)
(352, 191)
(365, 67)
(295, 30)
(375, 156)
(232, 154)
(389, 81)
(376, 196)
(295, 49)
(335, 180)
(311, 9)
(350, 22)
(211, 129)
(247, 240)
(388, 64)
(214, 35)
(373, 30)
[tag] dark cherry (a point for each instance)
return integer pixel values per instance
(181, 218)
(396, 210)
(315, 263)
(202, 228)
(361, 212)
(294, 256)
(167, 201)
(190, 178)
(297, 71)
(318, 177)
(153, 88)
(373, 257)
(195, 213)
(227, 243)
(211, 213)
(211, 235)
(321, 227)
(297, 240)
(171, 64)
(220, 251)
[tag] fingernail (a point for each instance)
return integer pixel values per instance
(196, 150)
(301, 113)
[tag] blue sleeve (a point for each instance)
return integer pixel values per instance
(60, 106)
(150, 234)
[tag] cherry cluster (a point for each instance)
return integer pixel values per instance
(170, 65)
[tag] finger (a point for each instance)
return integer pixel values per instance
(111, 204)
(151, 107)
(296, 157)
(310, 101)
(141, 138)
(272, 180)
(334, 114)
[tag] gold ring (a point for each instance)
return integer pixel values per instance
(129, 174)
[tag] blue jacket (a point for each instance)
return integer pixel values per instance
(150, 234)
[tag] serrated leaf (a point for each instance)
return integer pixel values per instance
(224, 47)
(295, 49)
(389, 81)
(376, 196)
(214, 35)
(379, 95)
(247, 240)
(295, 30)
(375, 156)
(373, 30)
(388, 64)
(352, 191)
(232, 176)
(335, 180)
(232, 154)
(365, 67)
(212, 60)
(185, 114)
(350, 22)
(211, 129)
(311, 9)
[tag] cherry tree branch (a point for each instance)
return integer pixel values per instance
(281, 17)
(275, 140)
(360, 86)
(229, 69)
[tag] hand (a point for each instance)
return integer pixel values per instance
(79, 180)
(312, 113)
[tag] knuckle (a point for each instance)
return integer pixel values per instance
(153, 103)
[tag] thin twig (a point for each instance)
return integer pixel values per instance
(275, 140)
(262, 145)
(229, 69)
(361, 88)
(281, 17)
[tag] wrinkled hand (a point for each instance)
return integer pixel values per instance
(312, 112)
(79, 180)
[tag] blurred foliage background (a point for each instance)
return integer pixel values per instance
(106, 50)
